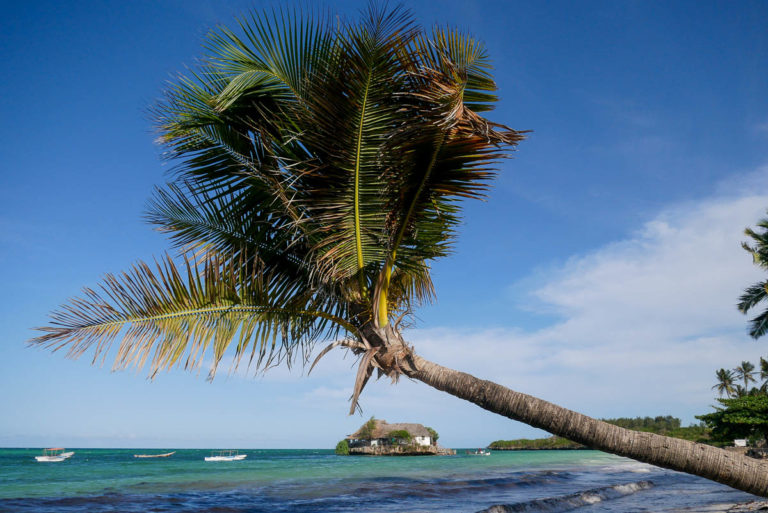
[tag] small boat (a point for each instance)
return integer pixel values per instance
(479, 452)
(54, 454)
(164, 455)
(230, 455)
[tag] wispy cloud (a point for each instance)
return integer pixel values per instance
(642, 323)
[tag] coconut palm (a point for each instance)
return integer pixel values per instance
(757, 293)
(320, 170)
(724, 382)
(745, 372)
(764, 375)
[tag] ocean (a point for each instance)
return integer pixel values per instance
(112, 480)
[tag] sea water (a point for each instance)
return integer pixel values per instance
(112, 480)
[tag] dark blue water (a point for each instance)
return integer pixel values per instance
(111, 480)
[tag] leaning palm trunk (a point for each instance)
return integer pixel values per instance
(394, 356)
(732, 469)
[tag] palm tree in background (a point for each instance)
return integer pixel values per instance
(764, 375)
(757, 293)
(724, 382)
(745, 372)
(321, 168)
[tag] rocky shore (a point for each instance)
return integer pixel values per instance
(401, 450)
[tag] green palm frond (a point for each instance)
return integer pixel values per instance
(283, 49)
(758, 326)
(757, 293)
(752, 296)
(352, 112)
(235, 223)
(760, 249)
(724, 382)
(446, 150)
(172, 314)
(229, 150)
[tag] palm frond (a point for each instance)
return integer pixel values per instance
(760, 249)
(446, 149)
(251, 140)
(349, 117)
(452, 75)
(759, 325)
(232, 222)
(173, 314)
(752, 296)
(280, 50)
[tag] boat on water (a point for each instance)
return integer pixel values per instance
(54, 454)
(479, 452)
(230, 455)
(164, 455)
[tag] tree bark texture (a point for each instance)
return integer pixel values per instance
(732, 469)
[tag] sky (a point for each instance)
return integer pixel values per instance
(601, 273)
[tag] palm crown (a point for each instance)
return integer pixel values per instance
(320, 170)
(757, 293)
(724, 382)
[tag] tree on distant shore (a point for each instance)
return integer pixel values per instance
(368, 429)
(740, 417)
(400, 435)
(764, 375)
(724, 383)
(745, 372)
(321, 169)
(342, 448)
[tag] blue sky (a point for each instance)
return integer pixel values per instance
(601, 273)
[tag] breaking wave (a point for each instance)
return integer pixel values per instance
(573, 501)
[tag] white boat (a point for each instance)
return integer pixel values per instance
(164, 455)
(231, 455)
(479, 452)
(54, 454)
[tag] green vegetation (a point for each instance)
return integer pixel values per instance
(342, 448)
(399, 434)
(366, 432)
(553, 442)
(661, 425)
(740, 417)
(743, 412)
(433, 434)
(745, 372)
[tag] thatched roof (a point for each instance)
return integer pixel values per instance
(383, 429)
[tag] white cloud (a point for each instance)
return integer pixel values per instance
(643, 322)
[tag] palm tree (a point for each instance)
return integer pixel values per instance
(320, 168)
(724, 382)
(745, 372)
(764, 374)
(757, 293)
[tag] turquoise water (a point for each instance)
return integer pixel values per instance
(318, 480)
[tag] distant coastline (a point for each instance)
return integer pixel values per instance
(553, 443)
(662, 425)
